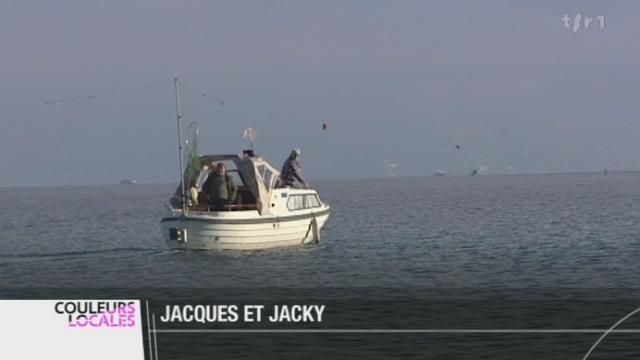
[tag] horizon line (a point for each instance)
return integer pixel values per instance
(336, 178)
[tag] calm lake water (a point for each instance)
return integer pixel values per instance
(573, 230)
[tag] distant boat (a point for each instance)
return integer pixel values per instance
(128, 182)
(440, 173)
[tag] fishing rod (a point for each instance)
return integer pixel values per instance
(177, 85)
(183, 193)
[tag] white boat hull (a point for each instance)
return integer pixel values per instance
(229, 231)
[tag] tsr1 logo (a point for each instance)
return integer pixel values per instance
(581, 22)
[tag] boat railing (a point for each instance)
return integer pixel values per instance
(235, 207)
(240, 207)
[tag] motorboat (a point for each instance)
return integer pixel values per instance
(263, 215)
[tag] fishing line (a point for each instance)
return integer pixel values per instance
(216, 100)
(132, 89)
(106, 93)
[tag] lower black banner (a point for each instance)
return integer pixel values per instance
(366, 323)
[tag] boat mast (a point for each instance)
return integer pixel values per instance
(183, 195)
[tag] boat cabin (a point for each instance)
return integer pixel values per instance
(253, 177)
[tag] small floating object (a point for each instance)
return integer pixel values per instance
(324, 126)
(474, 172)
(128, 182)
(457, 146)
(440, 173)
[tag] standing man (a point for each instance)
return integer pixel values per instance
(220, 188)
(292, 171)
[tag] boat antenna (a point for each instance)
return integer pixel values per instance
(183, 195)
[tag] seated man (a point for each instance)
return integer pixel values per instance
(220, 188)
(292, 171)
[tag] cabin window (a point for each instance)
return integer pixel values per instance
(295, 202)
(312, 201)
(303, 201)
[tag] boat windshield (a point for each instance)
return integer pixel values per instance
(268, 175)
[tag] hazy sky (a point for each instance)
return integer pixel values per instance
(397, 81)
